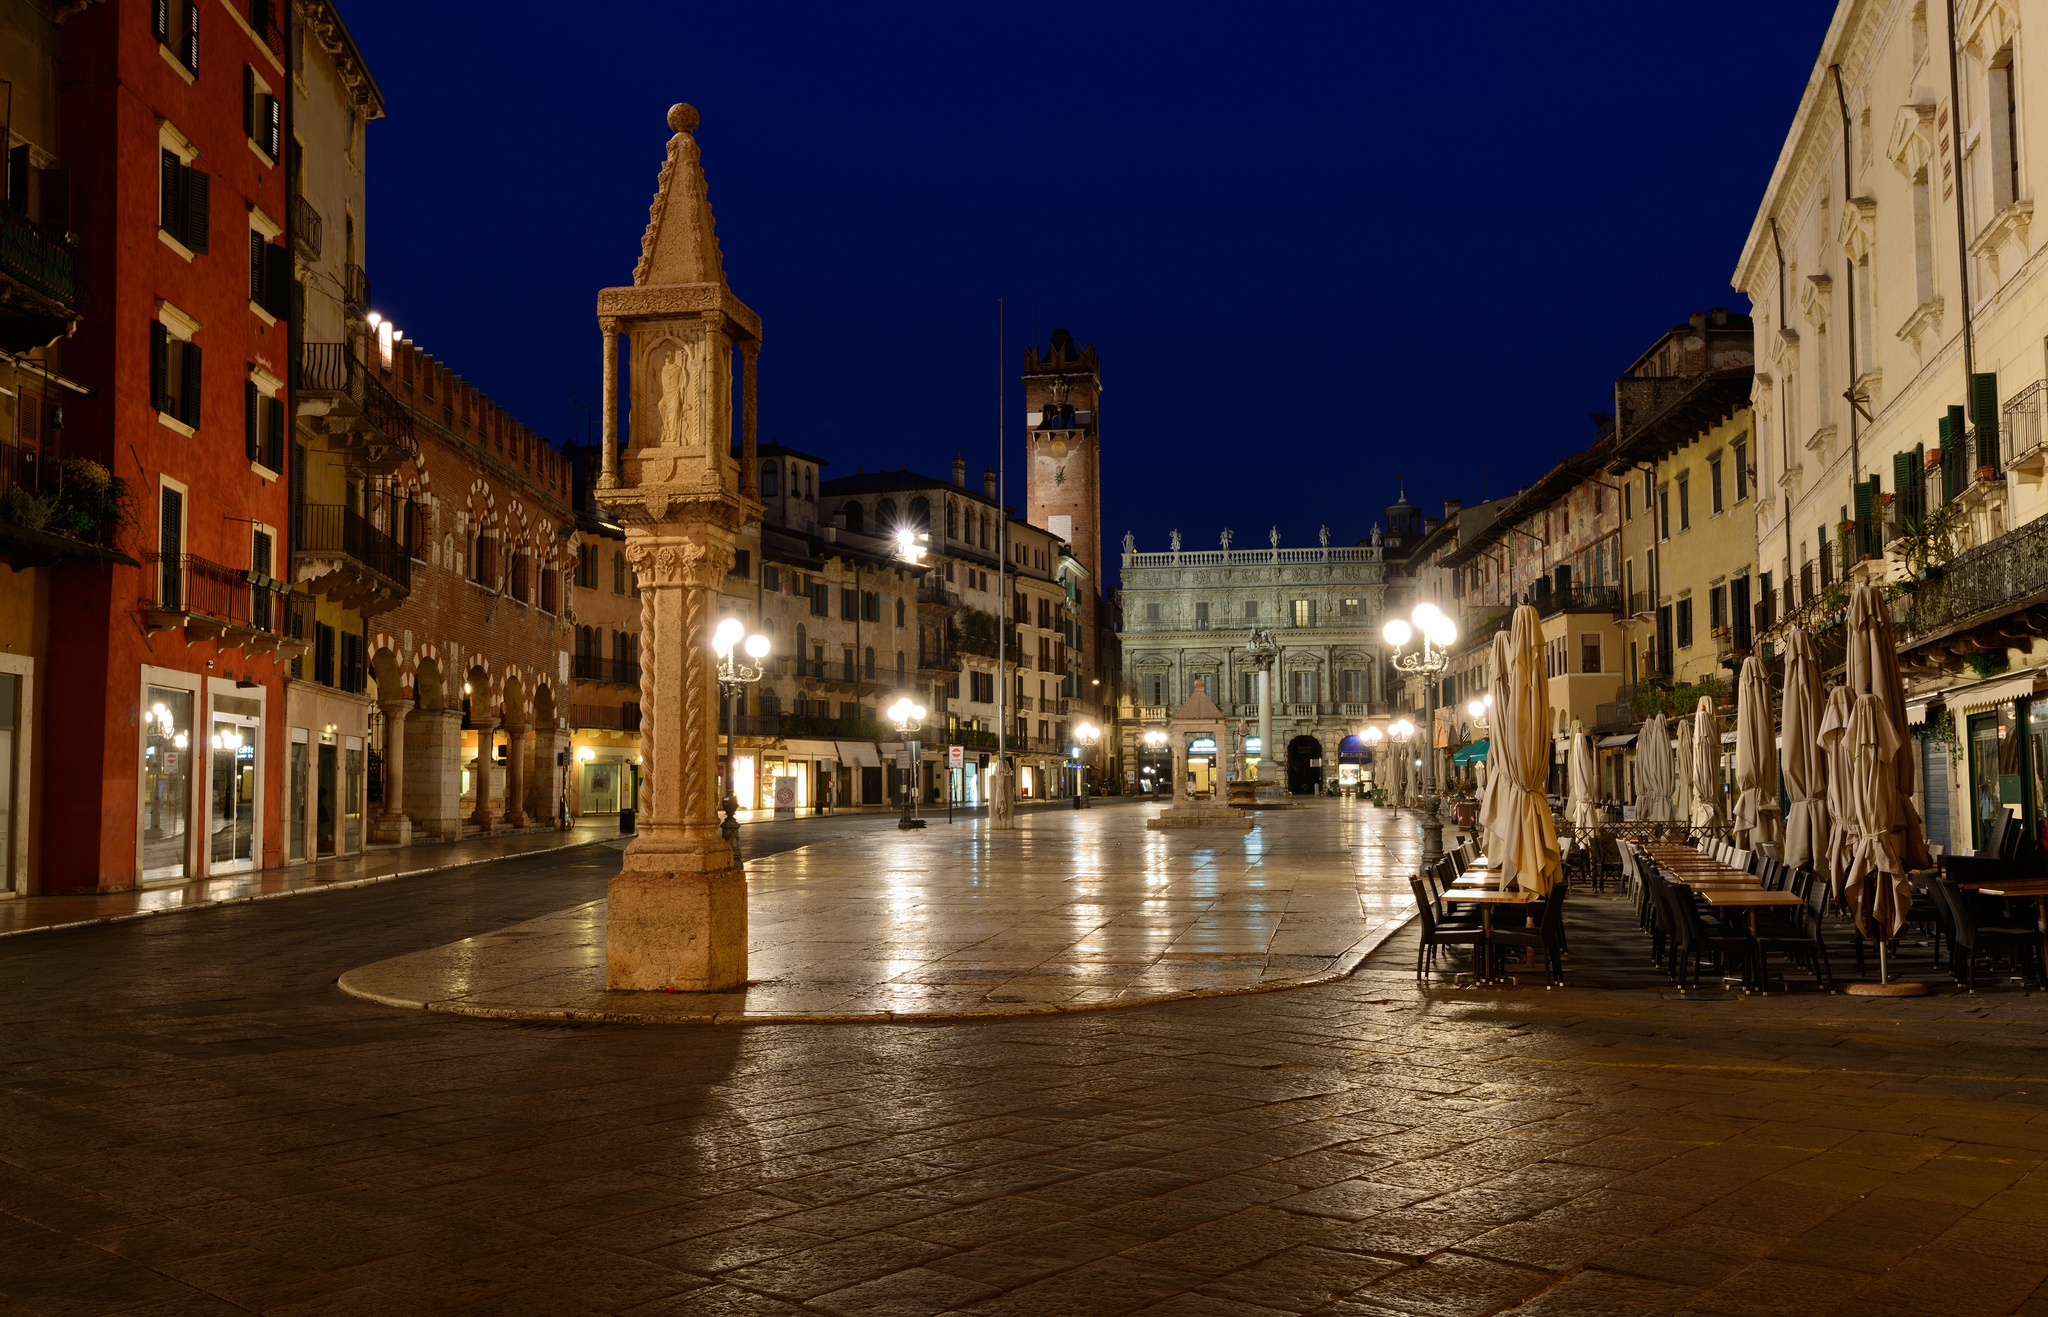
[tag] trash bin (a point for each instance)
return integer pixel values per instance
(1077, 802)
(626, 820)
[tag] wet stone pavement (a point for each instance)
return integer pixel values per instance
(194, 1120)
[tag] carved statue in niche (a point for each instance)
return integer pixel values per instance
(677, 403)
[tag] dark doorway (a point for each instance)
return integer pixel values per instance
(1304, 765)
(327, 795)
(871, 785)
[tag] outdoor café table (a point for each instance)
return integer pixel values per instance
(1749, 899)
(1486, 901)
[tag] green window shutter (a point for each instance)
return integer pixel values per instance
(1954, 460)
(1984, 411)
(1902, 483)
(1866, 507)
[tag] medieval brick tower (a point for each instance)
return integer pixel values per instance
(1062, 397)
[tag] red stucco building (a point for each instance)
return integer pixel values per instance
(164, 681)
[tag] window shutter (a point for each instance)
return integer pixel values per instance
(1984, 411)
(159, 366)
(258, 268)
(273, 433)
(191, 51)
(189, 403)
(1866, 508)
(252, 419)
(170, 199)
(248, 102)
(277, 280)
(162, 20)
(1903, 478)
(1956, 454)
(197, 185)
(273, 126)
(170, 540)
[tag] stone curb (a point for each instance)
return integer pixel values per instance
(309, 890)
(573, 1015)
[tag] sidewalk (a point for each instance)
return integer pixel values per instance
(34, 914)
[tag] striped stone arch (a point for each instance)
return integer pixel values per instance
(513, 672)
(482, 504)
(421, 474)
(402, 662)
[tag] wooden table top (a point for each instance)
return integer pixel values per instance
(1496, 897)
(1716, 896)
(2027, 887)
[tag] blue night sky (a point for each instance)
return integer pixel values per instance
(1318, 247)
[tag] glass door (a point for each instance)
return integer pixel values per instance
(166, 784)
(301, 779)
(231, 815)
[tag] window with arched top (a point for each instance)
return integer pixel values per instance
(899, 612)
(920, 513)
(952, 521)
(771, 480)
(885, 516)
(803, 648)
(869, 657)
(852, 514)
(618, 573)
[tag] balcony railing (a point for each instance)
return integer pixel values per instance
(186, 583)
(2026, 424)
(39, 260)
(338, 528)
(306, 225)
(1578, 599)
(1979, 585)
(355, 288)
(615, 717)
(596, 667)
(390, 417)
(329, 368)
(938, 662)
(938, 595)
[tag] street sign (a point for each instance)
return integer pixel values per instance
(956, 755)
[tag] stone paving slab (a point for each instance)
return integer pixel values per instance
(1068, 913)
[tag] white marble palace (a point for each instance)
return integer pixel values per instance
(1187, 615)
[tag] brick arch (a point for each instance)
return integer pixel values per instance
(383, 642)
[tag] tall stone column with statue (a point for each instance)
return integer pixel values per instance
(676, 917)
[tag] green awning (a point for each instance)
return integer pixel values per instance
(1476, 750)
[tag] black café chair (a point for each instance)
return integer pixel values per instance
(1698, 936)
(1546, 932)
(1434, 934)
(1972, 940)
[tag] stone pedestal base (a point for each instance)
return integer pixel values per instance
(1200, 814)
(391, 832)
(686, 931)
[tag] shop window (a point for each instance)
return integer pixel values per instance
(167, 752)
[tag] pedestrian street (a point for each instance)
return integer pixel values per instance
(1076, 910)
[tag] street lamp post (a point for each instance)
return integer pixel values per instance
(1372, 736)
(1085, 736)
(734, 677)
(1155, 741)
(908, 718)
(1437, 633)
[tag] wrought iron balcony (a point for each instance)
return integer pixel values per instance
(355, 284)
(220, 603)
(341, 554)
(611, 717)
(1578, 599)
(1981, 586)
(378, 432)
(306, 226)
(39, 289)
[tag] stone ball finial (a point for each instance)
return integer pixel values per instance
(682, 117)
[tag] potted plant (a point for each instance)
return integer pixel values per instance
(1987, 472)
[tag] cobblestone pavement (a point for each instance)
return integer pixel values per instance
(1072, 911)
(194, 1120)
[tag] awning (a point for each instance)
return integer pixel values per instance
(1617, 742)
(859, 754)
(1476, 750)
(816, 749)
(1989, 694)
(1916, 713)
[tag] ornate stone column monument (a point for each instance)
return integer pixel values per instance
(677, 913)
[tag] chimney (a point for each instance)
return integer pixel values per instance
(988, 482)
(1451, 506)
(959, 471)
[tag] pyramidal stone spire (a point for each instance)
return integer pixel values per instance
(680, 245)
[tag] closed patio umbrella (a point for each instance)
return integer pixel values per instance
(1806, 767)
(1681, 774)
(1497, 687)
(1524, 836)
(1653, 770)
(1885, 838)
(1833, 859)
(1706, 766)
(1756, 760)
(1583, 788)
